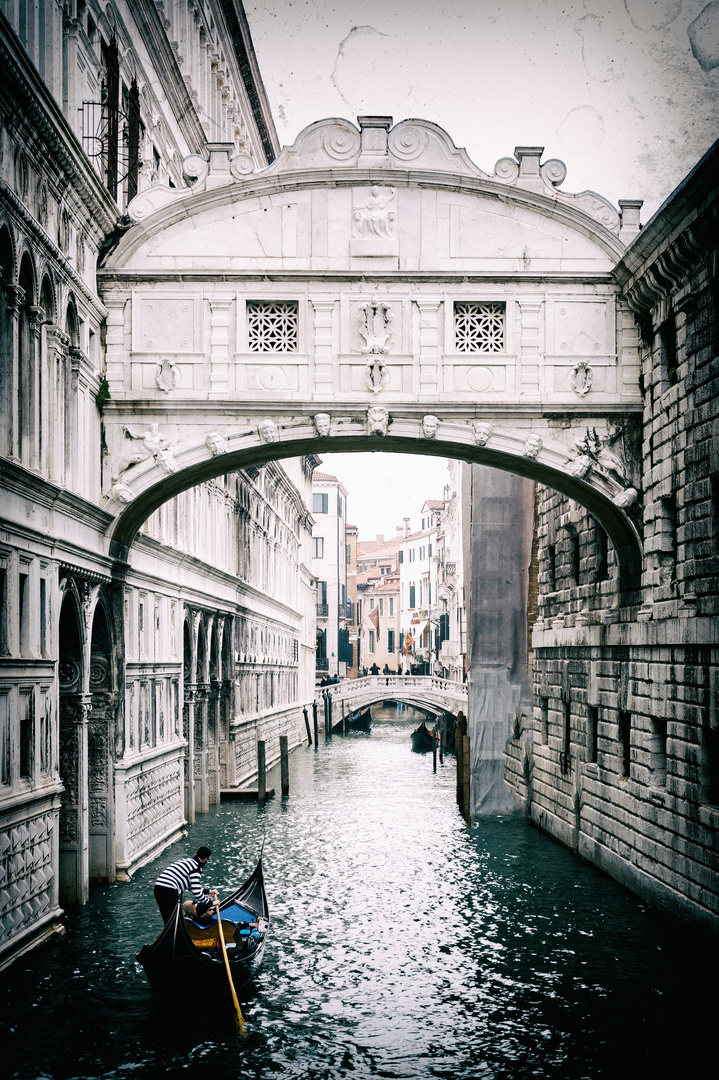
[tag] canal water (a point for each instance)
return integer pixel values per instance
(403, 944)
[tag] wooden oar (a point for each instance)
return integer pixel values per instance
(240, 1021)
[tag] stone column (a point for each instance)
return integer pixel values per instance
(529, 363)
(202, 799)
(323, 360)
(220, 348)
(37, 452)
(114, 346)
(55, 342)
(74, 833)
(429, 346)
(188, 723)
(14, 298)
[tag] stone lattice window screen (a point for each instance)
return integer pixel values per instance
(479, 326)
(273, 326)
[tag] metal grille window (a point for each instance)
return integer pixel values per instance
(479, 327)
(273, 326)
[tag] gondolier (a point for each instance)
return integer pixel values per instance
(181, 875)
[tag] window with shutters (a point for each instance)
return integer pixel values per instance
(479, 326)
(273, 326)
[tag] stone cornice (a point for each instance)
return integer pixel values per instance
(44, 242)
(110, 277)
(250, 73)
(272, 182)
(675, 240)
(31, 97)
(148, 22)
(16, 478)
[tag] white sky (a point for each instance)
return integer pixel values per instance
(625, 92)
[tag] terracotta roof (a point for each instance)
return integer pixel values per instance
(322, 476)
(433, 504)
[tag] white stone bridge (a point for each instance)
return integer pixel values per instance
(423, 691)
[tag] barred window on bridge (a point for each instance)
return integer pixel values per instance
(479, 326)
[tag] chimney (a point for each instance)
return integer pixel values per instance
(405, 522)
(380, 538)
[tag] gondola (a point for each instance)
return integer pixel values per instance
(187, 954)
(422, 739)
(361, 720)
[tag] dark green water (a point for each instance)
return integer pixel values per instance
(404, 944)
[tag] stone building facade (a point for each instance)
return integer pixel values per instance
(623, 760)
(131, 692)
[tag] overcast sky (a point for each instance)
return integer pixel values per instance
(623, 91)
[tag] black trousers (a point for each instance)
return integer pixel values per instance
(167, 900)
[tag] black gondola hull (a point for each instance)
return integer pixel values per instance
(173, 963)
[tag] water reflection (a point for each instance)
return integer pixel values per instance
(404, 945)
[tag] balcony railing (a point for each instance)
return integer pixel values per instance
(450, 648)
(347, 611)
(323, 610)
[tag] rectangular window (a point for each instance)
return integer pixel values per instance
(479, 327)
(391, 606)
(273, 326)
(371, 603)
(401, 556)
(544, 721)
(318, 547)
(566, 737)
(658, 752)
(381, 607)
(412, 596)
(321, 592)
(625, 741)
(319, 502)
(43, 617)
(348, 554)
(429, 552)
(339, 506)
(668, 351)
(390, 641)
(27, 732)
(359, 612)
(371, 641)
(592, 733)
(24, 588)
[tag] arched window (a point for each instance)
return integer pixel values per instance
(25, 385)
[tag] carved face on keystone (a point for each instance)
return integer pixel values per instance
(267, 430)
(322, 424)
(482, 433)
(429, 426)
(377, 420)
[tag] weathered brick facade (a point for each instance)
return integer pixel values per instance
(621, 761)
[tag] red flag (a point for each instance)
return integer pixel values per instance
(374, 617)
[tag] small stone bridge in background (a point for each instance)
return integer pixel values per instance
(422, 691)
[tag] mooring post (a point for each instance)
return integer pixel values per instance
(284, 765)
(434, 750)
(314, 718)
(307, 726)
(261, 772)
(459, 752)
(328, 729)
(442, 737)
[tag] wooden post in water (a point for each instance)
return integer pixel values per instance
(434, 751)
(442, 737)
(316, 725)
(465, 777)
(261, 772)
(328, 729)
(284, 765)
(307, 726)
(459, 752)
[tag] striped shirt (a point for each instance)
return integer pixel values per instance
(184, 874)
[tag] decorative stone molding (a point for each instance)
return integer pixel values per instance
(216, 443)
(267, 430)
(581, 378)
(430, 424)
(168, 375)
(377, 420)
(375, 318)
(532, 447)
(482, 432)
(322, 422)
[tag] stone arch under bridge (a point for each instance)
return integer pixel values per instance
(372, 289)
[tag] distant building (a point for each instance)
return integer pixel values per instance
(453, 575)
(418, 589)
(353, 626)
(329, 569)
